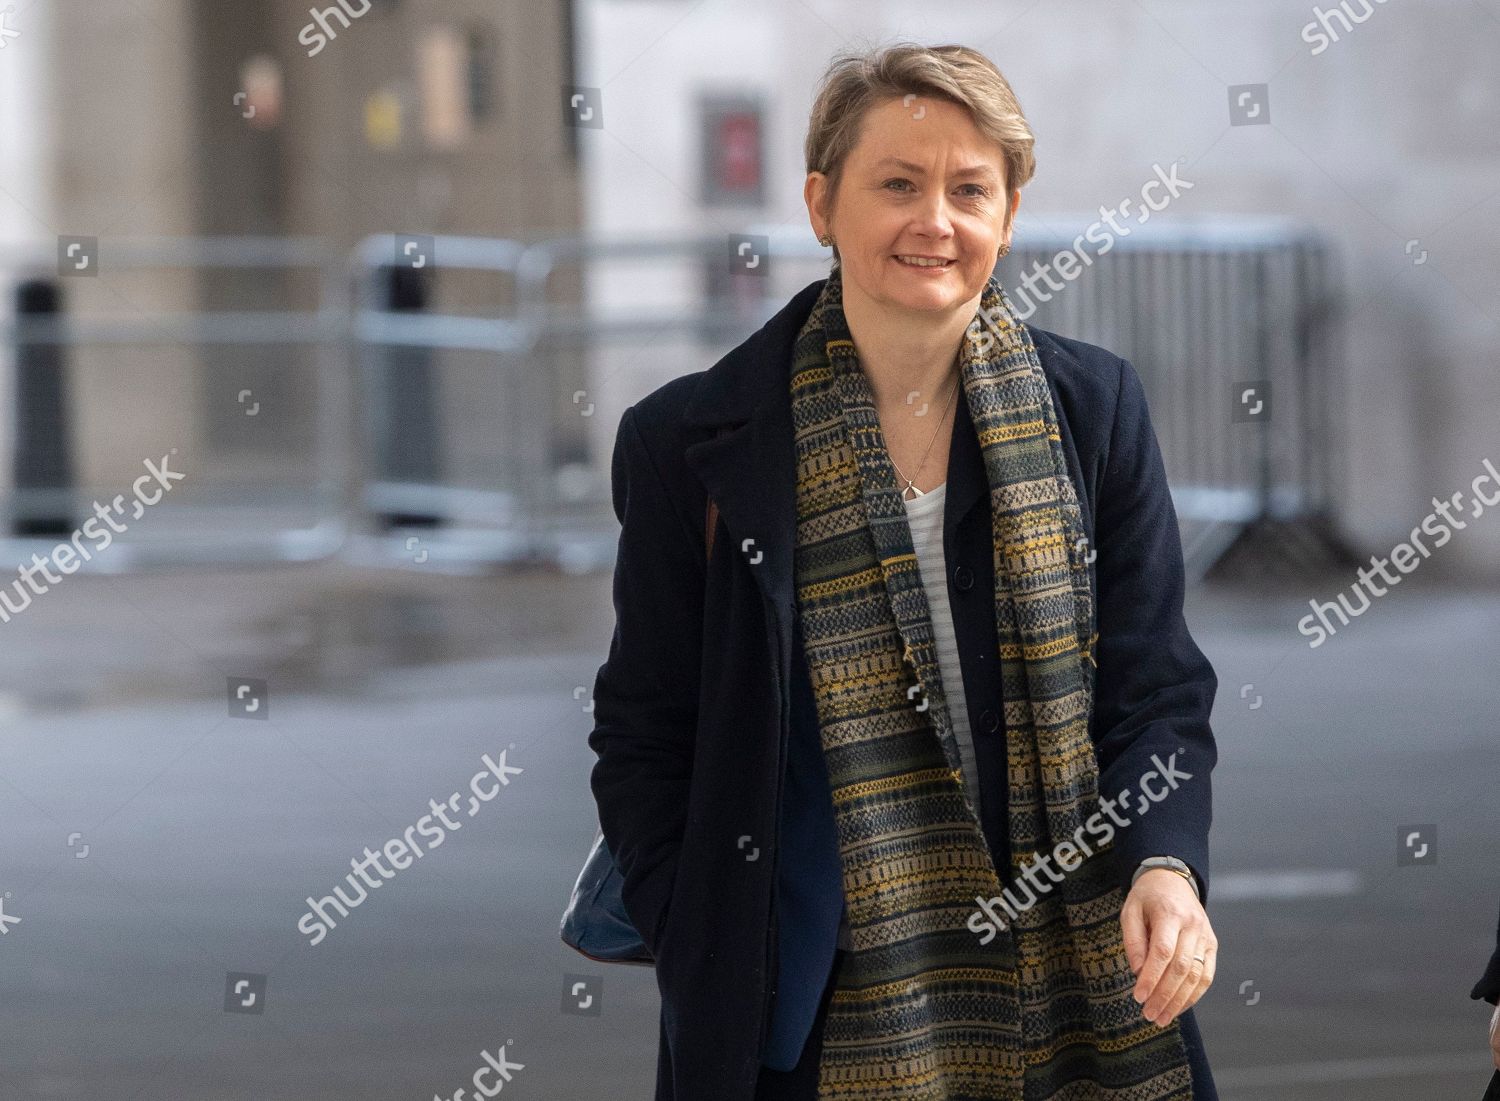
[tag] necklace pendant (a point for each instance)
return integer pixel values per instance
(915, 492)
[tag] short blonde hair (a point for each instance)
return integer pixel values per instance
(856, 80)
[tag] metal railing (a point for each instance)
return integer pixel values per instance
(464, 437)
(209, 519)
(1234, 330)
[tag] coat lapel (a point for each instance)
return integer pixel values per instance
(751, 470)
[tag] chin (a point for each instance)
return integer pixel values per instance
(892, 287)
(931, 299)
(938, 295)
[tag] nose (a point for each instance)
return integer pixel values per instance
(930, 217)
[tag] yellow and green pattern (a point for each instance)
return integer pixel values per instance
(922, 1010)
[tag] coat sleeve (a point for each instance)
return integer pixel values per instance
(1154, 689)
(646, 693)
(1488, 987)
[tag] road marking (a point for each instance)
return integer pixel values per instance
(1356, 1070)
(1308, 883)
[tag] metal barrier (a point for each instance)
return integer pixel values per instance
(406, 346)
(207, 519)
(549, 509)
(1231, 325)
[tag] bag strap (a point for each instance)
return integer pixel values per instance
(711, 523)
(711, 519)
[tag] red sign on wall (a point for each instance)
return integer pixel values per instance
(733, 151)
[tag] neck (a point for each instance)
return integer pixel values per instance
(902, 351)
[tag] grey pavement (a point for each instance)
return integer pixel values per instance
(154, 844)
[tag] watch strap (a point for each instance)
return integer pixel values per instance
(1172, 864)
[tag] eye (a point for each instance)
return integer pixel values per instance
(980, 191)
(895, 181)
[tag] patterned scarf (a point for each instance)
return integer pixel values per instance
(921, 1008)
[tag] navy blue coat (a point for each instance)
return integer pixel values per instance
(709, 782)
(1488, 987)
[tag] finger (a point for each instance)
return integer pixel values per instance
(1209, 971)
(1193, 986)
(1133, 930)
(1181, 970)
(1159, 954)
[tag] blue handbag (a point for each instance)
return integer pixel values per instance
(595, 922)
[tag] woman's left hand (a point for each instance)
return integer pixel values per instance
(1164, 927)
(1495, 1037)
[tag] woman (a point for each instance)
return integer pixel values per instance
(909, 788)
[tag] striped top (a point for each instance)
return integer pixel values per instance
(924, 515)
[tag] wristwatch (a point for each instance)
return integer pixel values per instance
(1178, 866)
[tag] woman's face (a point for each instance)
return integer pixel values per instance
(922, 181)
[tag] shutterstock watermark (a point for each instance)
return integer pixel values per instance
(1069, 855)
(400, 851)
(1069, 264)
(317, 34)
(6, 33)
(1403, 555)
(496, 1065)
(1322, 33)
(65, 556)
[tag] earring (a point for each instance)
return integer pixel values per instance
(1004, 248)
(825, 240)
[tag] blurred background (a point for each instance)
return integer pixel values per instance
(317, 327)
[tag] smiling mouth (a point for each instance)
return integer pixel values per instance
(936, 263)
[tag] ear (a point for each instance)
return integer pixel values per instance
(814, 191)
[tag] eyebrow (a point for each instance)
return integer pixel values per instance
(917, 170)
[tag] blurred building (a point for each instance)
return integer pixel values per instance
(1377, 132)
(341, 118)
(271, 118)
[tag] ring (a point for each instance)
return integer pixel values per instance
(1197, 959)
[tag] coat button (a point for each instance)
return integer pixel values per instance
(963, 577)
(989, 721)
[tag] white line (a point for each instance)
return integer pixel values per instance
(1358, 1070)
(1311, 883)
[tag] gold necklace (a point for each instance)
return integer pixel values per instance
(911, 482)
